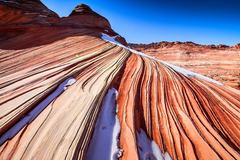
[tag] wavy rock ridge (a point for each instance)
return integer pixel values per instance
(54, 90)
(220, 62)
(183, 115)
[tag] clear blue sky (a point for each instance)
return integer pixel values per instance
(146, 21)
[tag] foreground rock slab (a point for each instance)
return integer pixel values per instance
(65, 83)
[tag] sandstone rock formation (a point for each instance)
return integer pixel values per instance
(65, 87)
(237, 46)
(219, 62)
(83, 15)
(177, 44)
(25, 11)
(29, 23)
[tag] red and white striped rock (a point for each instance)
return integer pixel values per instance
(54, 81)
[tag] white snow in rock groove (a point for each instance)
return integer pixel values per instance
(167, 156)
(27, 119)
(156, 151)
(148, 149)
(176, 68)
(104, 142)
(70, 82)
(111, 39)
(190, 73)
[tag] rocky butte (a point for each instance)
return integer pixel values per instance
(71, 88)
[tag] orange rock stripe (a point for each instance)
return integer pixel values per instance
(187, 117)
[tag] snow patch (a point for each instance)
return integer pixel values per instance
(104, 142)
(190, 73)
(178, 69)
(111, 39)
(175, 68)
(148, 149)
(69, 83)
(167, 156)
(28, 118)
(156, 151)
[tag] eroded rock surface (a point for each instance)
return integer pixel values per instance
(219, 62)
(83, 15)
(29, 23)
(183, 115)
(55, 80)
(25, 11)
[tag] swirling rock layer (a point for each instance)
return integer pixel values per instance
(219, 62)
(64, 127)
(187, 117)
(52, 90)
(25, 11)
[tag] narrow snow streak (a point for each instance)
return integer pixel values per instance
(175, 68)
(148, 149)
(104, 142)
(111, 39)
(27, 119)
(190, 73)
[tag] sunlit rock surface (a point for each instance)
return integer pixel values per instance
(220, 62)
(57, 98)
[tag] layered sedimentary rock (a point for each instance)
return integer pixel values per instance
(18, 17)
(30, 24)
(83, 15)
(25, 11)
(219, 62)
(187, 117)
(237, 46)
(65, 123)
(77, 92)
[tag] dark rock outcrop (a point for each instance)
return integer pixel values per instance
(83, 15)
(32, 20)
(25, 12)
